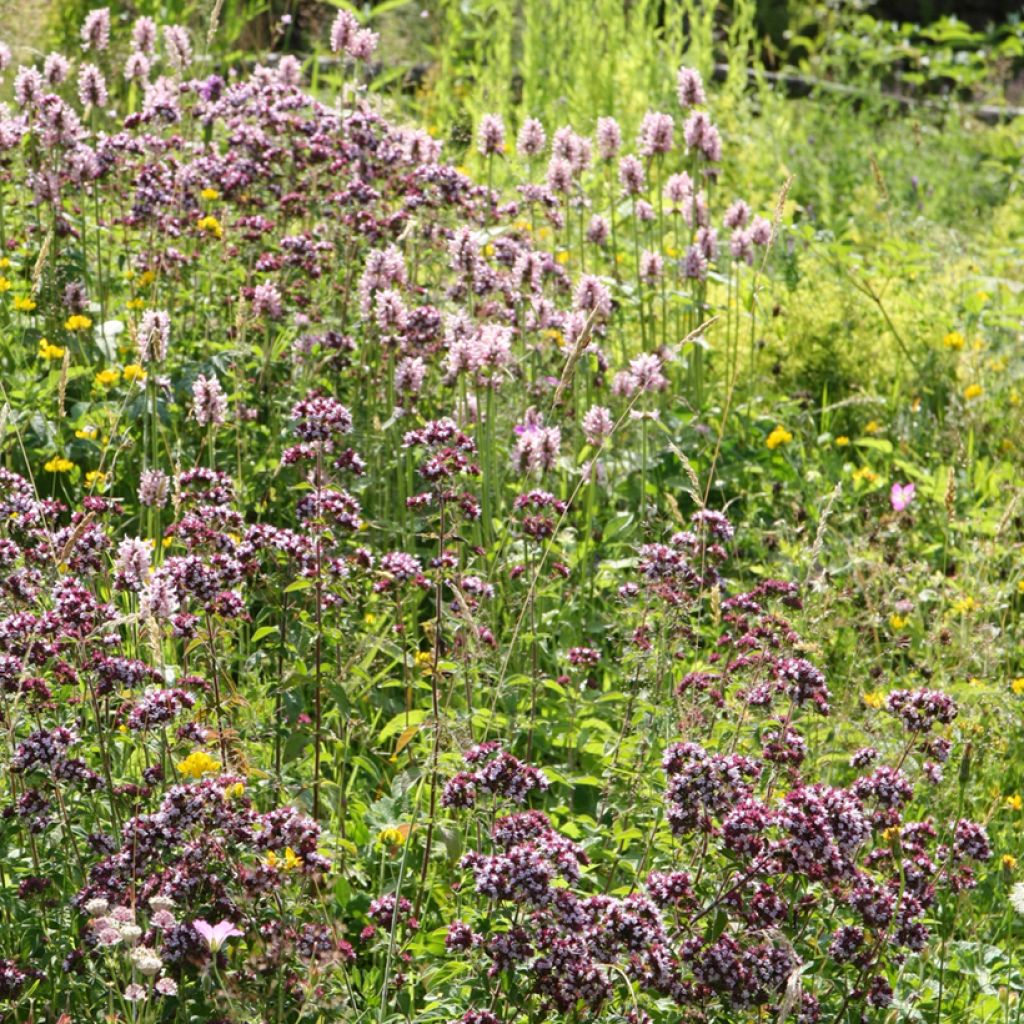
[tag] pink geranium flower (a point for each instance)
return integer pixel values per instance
(901, 496)
(215, 935)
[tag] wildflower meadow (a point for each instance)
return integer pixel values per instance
(510, 512)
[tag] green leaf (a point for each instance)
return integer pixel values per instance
(400, 722)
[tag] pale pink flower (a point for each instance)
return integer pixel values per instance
(901, 496)
(215, 935)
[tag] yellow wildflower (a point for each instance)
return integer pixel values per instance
(873, 427)
(77, 322)
(1015, 802)
(289, 862)
(875, 699)
(58, 464)
(1009, 862)
(135, 304)
(235, 789)
(1018, 685)
(865, 473)
(424, 659)
(954, 340)
(105, 378)
(133, 372)
(49, 351)
(5, 285)
(210, 193)
(780, 435)
(147, 278)
(198, 764)
(87, 433)
(898, 621)
(4, 262)
(972, 391)
(24, 304)
(842, 441)
(489, 249)
(211, 226)
(391, 837)
(95, 478)
(562, 256)
(964, 605)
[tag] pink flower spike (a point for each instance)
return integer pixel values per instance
(215, 935)
(901, 496)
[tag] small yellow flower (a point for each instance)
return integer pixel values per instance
(865, 473)
(24, 304)
(211, 226)
(1008, 861)
(95, 478)
(235, 789)
(898, 621)
(874, 700)
(135, 304)
(146, 278)
(134, 372)
(972, 391)
(842, 441)
(964, 605)
(1018, 685)
(58, 464)
(49, 351)
(77, 322)
(391, 837)
(4, 262)
(873, 427)
(106, 378)
(954, 340)
(290, 861)
(210, 193)
(423, 659)
(1014, 803)
(87, 433)
(369, 619)
(562, 256)
(974, 681)
(5, 285)
(489, 249)
(167, 542)
(198, 764)
(780, 435)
